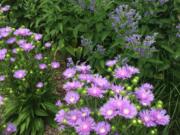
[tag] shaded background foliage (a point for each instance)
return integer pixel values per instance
(65, 22)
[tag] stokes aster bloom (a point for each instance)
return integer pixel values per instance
(47, 45)
(111, 63)
(117, 88)
(39, 84)
(55, 64)
(11, 128)
(37, 36)
(102, 128)
(85, 126)
(59, 103)
(71, 97)
(147, 119)
(11, 40)
(125, 72)
(100, 82)
(1, 100)
(42, 66)
(60, 116)
(3, 53)
(38, 56)
(19, 74)
(22, 32)
(4, 32)
(73, 116)
(27, 46)
(72, 85)
(108, 111)
(83, 68)
(96, 92)
(69, 73)
(2, 78)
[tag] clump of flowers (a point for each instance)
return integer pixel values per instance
(141, 45)
(4, 8)
(28, 67)
(125, 20)
(107, 105)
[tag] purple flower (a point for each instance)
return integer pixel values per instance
(146, 118)
(60, 116)
(111, 63)
(39, 56)
(145, 95)
(102, 128)
(71, 97)
(11, 128)
(117, 88)
(85, 112)
(55, 64)
(83, 68)
(96, 92)
(125, 72)
(3, 53)
(2, 78)
(5, 8)
(69, 73)
(108, 111)
(159, 116)
(12, 59)
(19, 74)
(22, 32)
(39, 84)
(1, 100)
(86, 77)
(4, 32)
(101, 82)
(85, 126)
(26, 46)
(47, 45)
(72, 117)
(59, 103)
(11, 40)
(37, 37)
(42, 66)
(72, 85)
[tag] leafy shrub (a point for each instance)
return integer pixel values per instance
(27, 80)
(104, 106)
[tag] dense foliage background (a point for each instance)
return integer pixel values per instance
(83, 30)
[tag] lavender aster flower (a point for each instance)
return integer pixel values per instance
(95, 92)
(42, 66)
(27, 46)
(22, 32)
(86, 77)
(71, 97)
(11, 128)
(37, 37)
(102, 128)
(47, 45)
(11, 40)
(117, 88)
(39, 56)
(4, 32)
(101, 82)
(72, 85)
(12, 59)
(83, 68)
(60, 116)
(69, 73)
(3, 53)
(1, 100)
(85, 126)
(85, 112)
(108, 111)
(159, 116)
(19, 74)
(39, 84)
(111, 63)
(146, 118)
(55, 64)
(59, 103)
(5, 8)
(2, 78)
(72, 117)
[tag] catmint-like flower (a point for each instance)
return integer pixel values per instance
(42, 66)
(12, 59)
(160, 117)
(101, 82)
(39, 84)
(125, 72)
(60, 116)
(19, 74)
(108, 111)
(2, 78)
(38, 56)
(72, 85)
(22, 32)
(11, 128)
(1, 100)
(72, 97)
(55, 64)
(95, 92)
(111, 63)
(69, 73)
(3, 53)
(37, 36)
(146, 118)
(85, 126)
(102, 128)
(27, 46)
(117, 88)
(86, 77)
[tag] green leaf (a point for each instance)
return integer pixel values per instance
(40, 112)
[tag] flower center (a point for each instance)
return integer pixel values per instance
(109, 112)
(126, 111)
(102, 130)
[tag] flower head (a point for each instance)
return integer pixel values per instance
(19, 74)
(1, 100)
(39, 84)
(60, 116)
(146, 118)
(22, 32)
(11, 128)
(2, 78)
(102, 128)
(71, 97)
(69, 73)
(95, 91)
(111, 63)
(3, 54)
(55, 64)
(72, 85)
